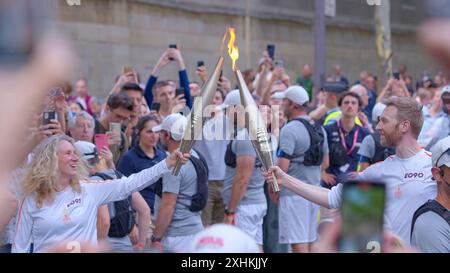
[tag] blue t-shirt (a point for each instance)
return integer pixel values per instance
(333, 136)
(134, 161)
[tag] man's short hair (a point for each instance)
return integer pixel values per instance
(132, 87)
(350, 94)
(83, 114)
(161, 84)
(407, 109)
(120, 100)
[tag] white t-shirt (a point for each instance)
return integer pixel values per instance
(72, 216)
(408, 186)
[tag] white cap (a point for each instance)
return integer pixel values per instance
(174, 124)
(377, 111)
(445, 89)
(296, 94)
(222, 238)
(441, 153)
(233, 98)
(87, 149)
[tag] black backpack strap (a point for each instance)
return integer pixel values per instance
(311, 128)
(118, 174)
(434, 206)
(230, 156)
(300, 158)
(200, 198)
(122, 223)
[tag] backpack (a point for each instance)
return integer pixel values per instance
(337, 153)
(200, 198)
(231, 157)
(434, 206)
(314, 155)
(381, 153)
(123, 222)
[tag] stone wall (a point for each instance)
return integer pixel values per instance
(110, 33)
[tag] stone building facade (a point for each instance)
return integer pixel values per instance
(108, 34)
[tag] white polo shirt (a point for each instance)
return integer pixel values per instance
(408, 186)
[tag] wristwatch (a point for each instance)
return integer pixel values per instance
(227, 212)
(154, 239)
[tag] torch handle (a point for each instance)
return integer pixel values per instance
(176, 169)
(274, 183)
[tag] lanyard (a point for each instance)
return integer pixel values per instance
(355, 138)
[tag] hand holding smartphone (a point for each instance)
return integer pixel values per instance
(116, 129)
(179, 91)
(271, 51)
(173, 46)
(47, 116)
(279, 63)
(200, 63)
(127, 69)
(101, 141)
(362, 217)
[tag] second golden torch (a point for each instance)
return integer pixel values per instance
(254, 122)
(195, 121)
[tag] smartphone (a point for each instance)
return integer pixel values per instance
(21, 24)
(179, 91)
(279, 63)
(115, 127)
(396, 75)
(47, 116)
(101, 141)
(155, 106)
(271, 51)
(200, 63)
(172, 46)
(127, 69)
(362, 216)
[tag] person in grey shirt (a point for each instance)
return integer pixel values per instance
(213, 146)
(176, 225)
(297, 216)
(243, 189)
(431, 231)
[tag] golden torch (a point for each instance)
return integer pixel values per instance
(254, 122)
(195, 118)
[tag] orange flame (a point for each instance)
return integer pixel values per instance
(233, 50)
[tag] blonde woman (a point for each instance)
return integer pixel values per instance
(60, 204)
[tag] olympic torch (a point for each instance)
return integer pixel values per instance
(194, 126)
(254, 122)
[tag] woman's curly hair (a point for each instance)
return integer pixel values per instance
(43, 173)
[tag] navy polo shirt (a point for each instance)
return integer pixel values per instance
(134, 161)
(352, 159)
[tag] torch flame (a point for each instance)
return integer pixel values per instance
(233, 51)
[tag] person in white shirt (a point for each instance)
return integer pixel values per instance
(59, 204)
(407, 174)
